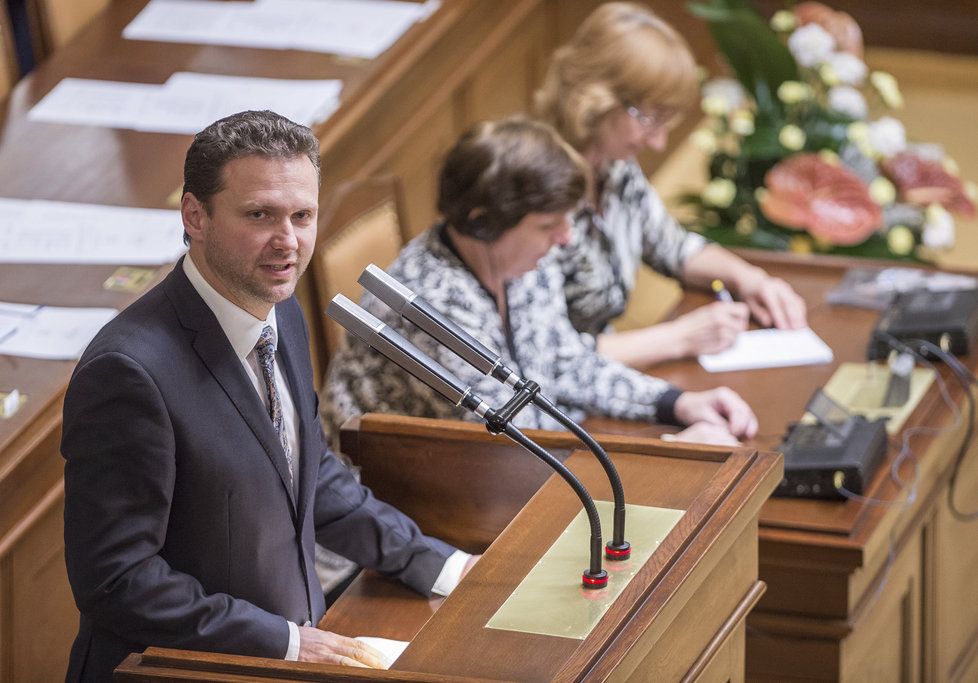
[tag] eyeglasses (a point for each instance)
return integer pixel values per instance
(660, 118)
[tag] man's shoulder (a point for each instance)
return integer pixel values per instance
(142, 330)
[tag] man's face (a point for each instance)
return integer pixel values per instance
(260, 232)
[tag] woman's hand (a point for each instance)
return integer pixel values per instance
(704, 432)
(772, 301)
(709, 328)
(722, 407)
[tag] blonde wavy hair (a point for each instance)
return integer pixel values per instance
(623, 54)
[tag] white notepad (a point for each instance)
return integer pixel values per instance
(769, 348)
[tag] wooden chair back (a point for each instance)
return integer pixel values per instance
(55, 22)
(361, 223)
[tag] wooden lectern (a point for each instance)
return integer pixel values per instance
(681, 617)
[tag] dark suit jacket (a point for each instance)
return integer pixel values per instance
(180, 527)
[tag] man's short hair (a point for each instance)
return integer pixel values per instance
(498, 172)
(248, 133)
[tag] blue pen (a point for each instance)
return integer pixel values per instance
(721, 292)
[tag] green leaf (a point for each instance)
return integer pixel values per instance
(752, 49)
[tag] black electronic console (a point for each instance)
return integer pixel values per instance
(948, 319)
(839, 451)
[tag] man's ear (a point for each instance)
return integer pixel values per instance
(193, 214)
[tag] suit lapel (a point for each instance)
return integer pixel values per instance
(214, 349)
(301, 399)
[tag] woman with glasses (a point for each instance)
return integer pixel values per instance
(616, 89)
(505, 194)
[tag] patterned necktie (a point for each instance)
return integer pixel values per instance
(266, 359)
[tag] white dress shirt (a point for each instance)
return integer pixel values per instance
(243, 330)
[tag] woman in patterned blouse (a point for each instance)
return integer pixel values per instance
(505, 193)
(613, 91)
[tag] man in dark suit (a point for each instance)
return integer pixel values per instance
(197, 478)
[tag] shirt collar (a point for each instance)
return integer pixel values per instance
(242, 328)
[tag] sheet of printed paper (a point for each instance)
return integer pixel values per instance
(354, 28)
(39, 231)
(186, 103)
(86, 102)
(51, 332)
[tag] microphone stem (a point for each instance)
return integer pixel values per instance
(592, 512)
(618, 533)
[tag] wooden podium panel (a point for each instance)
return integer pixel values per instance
(681, 617)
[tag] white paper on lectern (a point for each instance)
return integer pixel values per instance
(40, 231)
(769, 348)
(391, 649)
(354, 28)
(52, 333)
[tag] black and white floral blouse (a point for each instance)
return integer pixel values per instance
(602, 261)
(542, 346)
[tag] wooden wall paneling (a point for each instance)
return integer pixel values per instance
(417, 163)
(885, 644)
(34, 591)
(953, 563)
(505, 85)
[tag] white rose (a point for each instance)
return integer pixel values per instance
(792, 137)
(727, 89)
(719, 192)
(847, 100)
(793, 92)
(848, 68)
(887, 136)
(783, 21)
(939, 228)
(811, 44)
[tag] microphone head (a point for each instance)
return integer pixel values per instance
(353, 318)
(395, 295)
(381, 337)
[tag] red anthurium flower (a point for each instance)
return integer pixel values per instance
(830, 202)
(926, 181)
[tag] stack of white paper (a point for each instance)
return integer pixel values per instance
(49, 332)
(186, 103)
(769, 348)
(38, 231)
(356, 28)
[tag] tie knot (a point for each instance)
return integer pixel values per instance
(266, 345)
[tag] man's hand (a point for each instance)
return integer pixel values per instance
(332, 648)
(720, 406)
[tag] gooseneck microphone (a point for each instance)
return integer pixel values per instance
(416, 310)
(415, 362)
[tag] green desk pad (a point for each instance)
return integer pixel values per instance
(860, 388)
(551, 600)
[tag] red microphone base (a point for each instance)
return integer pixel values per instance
(594, 581)
(617, 553)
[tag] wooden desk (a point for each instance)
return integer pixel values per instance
(681, 617)
(469, 60)
(855, 591)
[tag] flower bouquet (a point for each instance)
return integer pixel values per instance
(804, 154)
